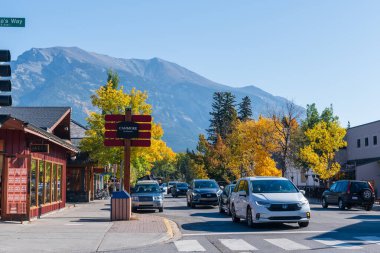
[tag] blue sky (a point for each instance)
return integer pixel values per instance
(310, 51)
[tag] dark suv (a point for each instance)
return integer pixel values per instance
(348, 193)
(203, 192)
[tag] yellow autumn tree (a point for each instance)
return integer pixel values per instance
(325, 139)
(253, 142)
(110, 99)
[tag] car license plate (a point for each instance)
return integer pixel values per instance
(354, 197)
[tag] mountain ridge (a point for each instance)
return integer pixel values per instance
(181, 99)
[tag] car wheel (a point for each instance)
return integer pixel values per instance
(341, 204)
(368, 208)
(188, 203)
(367, 194)
(303, 224)
(221, 210)
(233, 215)
(348, 206)
(192, 204)
(134, 209)
(249, 217)
(324, 203)
(228, 210)
(161, 209)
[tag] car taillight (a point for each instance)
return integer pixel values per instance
(370, 186)
(349, 187)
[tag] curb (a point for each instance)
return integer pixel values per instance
(173, 231)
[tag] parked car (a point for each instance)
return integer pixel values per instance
(269, 199)
(203, 192)
(224, 199)
(348, 193)
(170, 185)
(147, 195)
(179, 189)
(164, 187)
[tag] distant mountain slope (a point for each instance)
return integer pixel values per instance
(181, 99)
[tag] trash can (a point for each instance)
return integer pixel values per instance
(121, 206)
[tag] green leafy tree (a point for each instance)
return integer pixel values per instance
(245, 109)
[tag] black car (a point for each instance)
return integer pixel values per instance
(224, 199)
(348, 193)
(179, 189)
(203, 192)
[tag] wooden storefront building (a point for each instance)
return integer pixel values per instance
(35, 146)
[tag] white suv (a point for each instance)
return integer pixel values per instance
(269, 199)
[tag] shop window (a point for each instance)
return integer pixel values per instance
(54, 183)
(366, 141)
(59, 183)
(48, 183)
(358, 143)
(374, 140)
(33, 183)
(41, 182)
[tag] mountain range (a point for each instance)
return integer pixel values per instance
(181, 99)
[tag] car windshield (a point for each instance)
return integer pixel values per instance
(146, 188)
(182, 185)
(205, 184)
(273, 186)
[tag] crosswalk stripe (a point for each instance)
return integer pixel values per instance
(337, 244)
(286, 244)
(188, 246)
(369, 239)
(237, 244)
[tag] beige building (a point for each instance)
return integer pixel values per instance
(361, 159)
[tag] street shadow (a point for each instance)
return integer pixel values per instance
(352, 233)
(177, 208)
(365, 217)
(210, 215)
(145, 211)
(92, 220)
(334, 209)
(106, 209)
(220, 226)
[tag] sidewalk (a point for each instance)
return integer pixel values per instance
(84, 228)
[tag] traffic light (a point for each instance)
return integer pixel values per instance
(5, 75)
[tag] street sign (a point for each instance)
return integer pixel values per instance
(142, 126)
(120, 143)
(141, 135)
(135, 118)
(127, 130)
(12, 22)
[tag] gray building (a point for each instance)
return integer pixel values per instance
(361, 158)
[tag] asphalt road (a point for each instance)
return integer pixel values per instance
(330, 230)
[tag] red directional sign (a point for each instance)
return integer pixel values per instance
(135, 118)
(113, 135)
(142, 126)
(120, 143)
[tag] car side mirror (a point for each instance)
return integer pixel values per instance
(242, 194)
(303, 192)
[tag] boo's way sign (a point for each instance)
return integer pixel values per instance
(12, 22)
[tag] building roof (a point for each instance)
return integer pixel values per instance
(42, 117)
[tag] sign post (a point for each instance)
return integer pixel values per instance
(126, 131)
(127, 154)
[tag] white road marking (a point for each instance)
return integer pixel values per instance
(337, 244)
(260, 233)
(286, 244)
(369, 239)
(188, 246)
(237, 244)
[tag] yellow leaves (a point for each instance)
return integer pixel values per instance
(252, 144)
(114, 101)
(324, 140)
